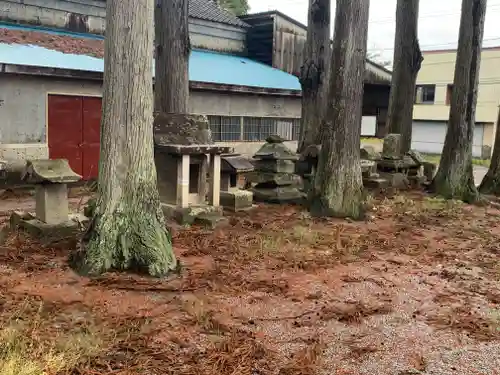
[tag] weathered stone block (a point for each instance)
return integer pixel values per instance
(236, 200)
(211, 220)
(375, 182)
(276, 166)
(74, 225)
(275, 149)
(416, 181)
(396, 180)
(55, 171)
(278, 194)
(52, 203)
(181, 129)
(416, 156)
(368, 167)
(368, 153)
(392, 147)
(275, 178)
(187, 215)
(429, 170)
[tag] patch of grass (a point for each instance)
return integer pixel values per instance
(24, 351)
(432, 158)
(372, 141)
(427, 208)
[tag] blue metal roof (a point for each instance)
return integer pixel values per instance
(204, 66)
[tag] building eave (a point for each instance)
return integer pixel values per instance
(98, 76)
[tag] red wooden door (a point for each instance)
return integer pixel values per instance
(91, 136)
(64, 133)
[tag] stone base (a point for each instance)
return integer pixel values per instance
(279, 194)
(26, 221)
(258, 177)
(188, 215)
(375, 183)
(417, 182)
(236, 200)
(211, 220)
(396, 180)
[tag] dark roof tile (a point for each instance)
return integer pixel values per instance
(208, 10)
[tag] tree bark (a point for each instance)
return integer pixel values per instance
(491, 182)
(338, 186)
(314, 73)
(455, 179)
(172, 56)
(127, 230)
(407, 62)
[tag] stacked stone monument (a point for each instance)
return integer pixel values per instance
(402, 171)
(274, 176)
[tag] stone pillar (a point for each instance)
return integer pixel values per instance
(52, 203)
(215, 181)
(183, 182)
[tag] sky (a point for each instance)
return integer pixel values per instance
(439, 22)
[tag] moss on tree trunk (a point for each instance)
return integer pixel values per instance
(491, 182)
(127, 231)
(455, 177)
(314, 73)
(337, 188)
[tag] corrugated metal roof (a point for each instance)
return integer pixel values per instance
(210, 11)
(204, 66)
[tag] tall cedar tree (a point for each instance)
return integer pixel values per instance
(491, 182)
(127, 231)
(338, 187)
(172, 56)
(407, 62)
(314, 73)
(455, 179)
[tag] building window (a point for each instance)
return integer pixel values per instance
(225, 128)
(449, 92)
(257, 129)
(425, 94)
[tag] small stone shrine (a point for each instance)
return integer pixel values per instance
(188, 165)
(402, 171)
(232, 197)
(274, 175)
(51, 179)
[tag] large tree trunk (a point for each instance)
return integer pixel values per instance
(407, 62)
(127, 230)
(455, 179)
(338, 186)
(314, 73)
(491, 182)
(172, 56)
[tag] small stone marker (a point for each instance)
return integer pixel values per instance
(231, 196)
(52, 218)
(392, 147)
(51, 178)
(368, 153)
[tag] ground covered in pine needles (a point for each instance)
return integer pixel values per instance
(413, 290)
